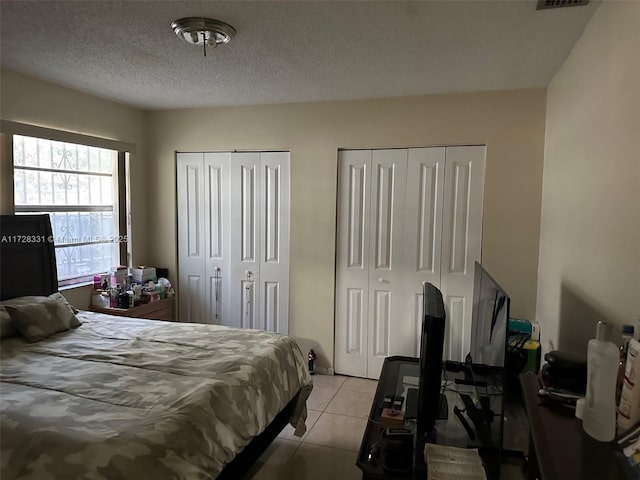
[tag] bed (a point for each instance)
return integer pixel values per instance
(117, 397)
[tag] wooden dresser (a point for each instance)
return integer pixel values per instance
(159, 310)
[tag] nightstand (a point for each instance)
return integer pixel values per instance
(159, 310)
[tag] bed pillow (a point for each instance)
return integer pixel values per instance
(37, 321)
(7, 327)
(58, 297)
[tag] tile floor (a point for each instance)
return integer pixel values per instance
(337, 412)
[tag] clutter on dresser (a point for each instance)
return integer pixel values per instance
(127, 288)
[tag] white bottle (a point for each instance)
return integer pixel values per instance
(599, 416)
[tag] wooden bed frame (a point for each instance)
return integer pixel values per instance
(28, 267)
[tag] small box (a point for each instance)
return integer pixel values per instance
(148, 297)
(143, 274)
(520, 325)
(391, 418)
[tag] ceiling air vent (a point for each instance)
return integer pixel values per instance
(544, 4)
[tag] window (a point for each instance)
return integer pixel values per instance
(77, 185)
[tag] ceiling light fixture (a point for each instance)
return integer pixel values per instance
(203, 31)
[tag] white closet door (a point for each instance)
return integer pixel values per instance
(233, 239)
(191, 237)
(352, 262)
(246, 204)
(216, 227)
(386, 276)
(461, 242)
(274, 250)
(369, 277)
(422, 236)
(405, 216)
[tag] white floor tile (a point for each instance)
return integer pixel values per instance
(354, 404)
(360, 385)
(268, 466)
(334, 381)
(313, 462)
(337, 431)
(320, 397)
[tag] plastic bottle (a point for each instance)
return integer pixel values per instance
(627, 334)
(599, 416)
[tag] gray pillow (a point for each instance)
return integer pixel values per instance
(37, 321)
(7, 327)
(58, 297)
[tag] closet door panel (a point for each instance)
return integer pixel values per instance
(192, 249)
(352, 262)
(274, 243)
(422, 236)
(461, 241)
(386, 276)
(245, 203)
(216, 198)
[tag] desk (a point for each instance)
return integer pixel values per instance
(558, 447)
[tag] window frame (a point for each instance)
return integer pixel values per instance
(121, 206)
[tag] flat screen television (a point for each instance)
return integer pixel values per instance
(430, 398)
(489, 320)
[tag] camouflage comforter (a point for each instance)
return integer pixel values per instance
(129, 398)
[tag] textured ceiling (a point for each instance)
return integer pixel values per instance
(288, 51)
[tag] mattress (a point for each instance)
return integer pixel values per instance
(131, 398)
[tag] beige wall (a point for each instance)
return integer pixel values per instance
(589, 265)
(510, 123)
(27, 100)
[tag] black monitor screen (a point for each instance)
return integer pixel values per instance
(431, 346)
(489, 321)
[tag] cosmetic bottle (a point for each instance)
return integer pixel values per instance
(599, 416)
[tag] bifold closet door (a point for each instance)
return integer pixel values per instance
(260, 241)
(443, 231)
(369, 275)
(233, 239)
(405, 216)
(203, 250)
(461, 242)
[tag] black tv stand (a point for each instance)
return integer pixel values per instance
(398, 376)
